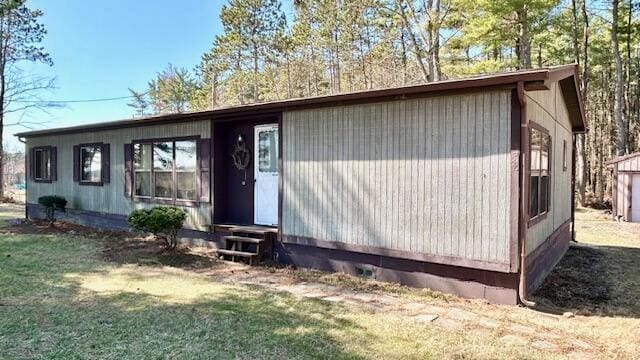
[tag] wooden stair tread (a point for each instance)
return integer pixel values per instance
(253, 230)
(243, 239)
(236, 253)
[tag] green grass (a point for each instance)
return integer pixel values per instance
(61, 299)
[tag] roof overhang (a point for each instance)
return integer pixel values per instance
(535, 79)
(621, 158)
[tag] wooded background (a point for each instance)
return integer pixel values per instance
(331, 46)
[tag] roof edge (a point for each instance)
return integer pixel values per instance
(536, 77)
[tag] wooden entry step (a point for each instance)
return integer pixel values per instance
(259, 230)
(243, 254)
(247, 242)
(243, 239)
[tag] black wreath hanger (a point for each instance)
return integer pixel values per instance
(241, 156)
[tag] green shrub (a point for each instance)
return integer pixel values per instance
(162, 221)
(52, 203)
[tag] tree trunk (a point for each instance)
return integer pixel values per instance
(618, 84)
(524, 39)
(435, 42)
(414, 41)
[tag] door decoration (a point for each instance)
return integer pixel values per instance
(241, 157)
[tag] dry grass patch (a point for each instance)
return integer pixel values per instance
(75, 292)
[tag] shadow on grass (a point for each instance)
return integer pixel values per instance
(594, 281)
(48, 310)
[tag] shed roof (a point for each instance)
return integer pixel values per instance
(618, 159)
(535, 79)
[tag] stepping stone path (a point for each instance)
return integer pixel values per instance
(454, 318)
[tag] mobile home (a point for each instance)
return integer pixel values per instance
(463, 186)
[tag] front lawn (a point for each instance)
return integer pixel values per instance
(76, 293)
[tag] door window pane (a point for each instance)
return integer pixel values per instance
(91, 160)
(268, 151)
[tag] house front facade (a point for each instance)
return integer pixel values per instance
(463, 186)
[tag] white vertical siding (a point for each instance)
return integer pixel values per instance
(110, 198)
(427, 175)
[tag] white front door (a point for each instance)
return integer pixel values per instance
(635, 198)
(266, 175)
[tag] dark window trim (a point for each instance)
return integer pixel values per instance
(541, 216)
(89, 183)
(48, 148)
(164, 201)
(564, 156)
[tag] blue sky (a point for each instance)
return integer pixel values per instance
(101, 48)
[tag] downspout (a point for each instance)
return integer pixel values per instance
(26, 177)
(524, 198)
(573, 188)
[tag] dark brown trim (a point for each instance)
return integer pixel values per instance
(544, 258)
(497, 287)
(537, 219)
(514, 218)
(614, 192)
(539, 127)
(212, 171)
(165, 139)
(629, 198)
(33, 150)
(174, 186)
(400, 254)
(573, 187)
(166, 201)
(280, 176)
(523, 212)
(540, 217)
(83, 182)
(536, 79)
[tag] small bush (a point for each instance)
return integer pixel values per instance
(162, 221)
(52, 203)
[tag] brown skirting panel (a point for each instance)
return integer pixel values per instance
(497, 287)
(109, 222)
(544, 258)
(402, 254)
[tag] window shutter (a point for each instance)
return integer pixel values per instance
(30, 166)
(128, 170)
(54, 163)
(105, 152)
(204, 181)
(76, 163)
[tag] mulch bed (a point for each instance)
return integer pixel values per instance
(120, 247)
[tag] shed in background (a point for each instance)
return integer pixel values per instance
(625, 192)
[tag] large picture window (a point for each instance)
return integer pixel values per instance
(165, 170)
(540, 178)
